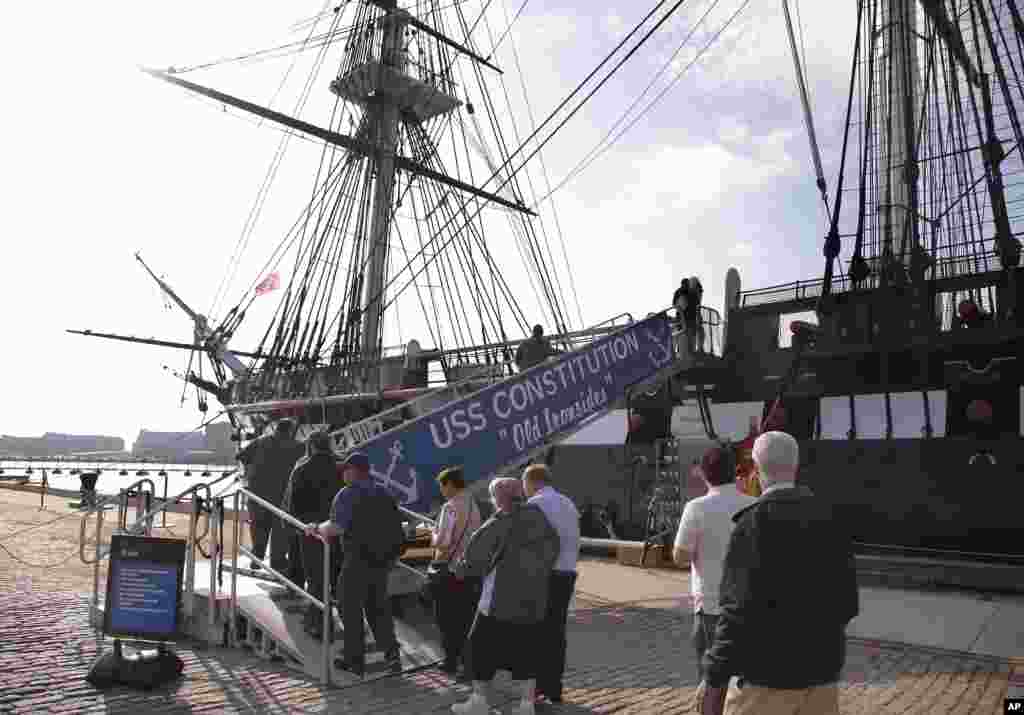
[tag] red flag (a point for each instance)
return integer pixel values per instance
(271, 282)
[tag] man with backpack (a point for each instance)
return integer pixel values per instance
(366, 517)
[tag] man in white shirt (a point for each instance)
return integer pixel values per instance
(565, 518)
(704, 532)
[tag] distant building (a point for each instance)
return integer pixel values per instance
(55, 444)
(213, 446)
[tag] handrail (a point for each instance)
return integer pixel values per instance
(138, 483)
(148, 516)
(420, 517)
(275, 510)
(324, 604)
(612, 320)
(165, 503)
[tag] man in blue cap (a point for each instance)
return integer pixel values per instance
(366, 517)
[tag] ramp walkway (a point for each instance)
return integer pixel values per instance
(270, 625)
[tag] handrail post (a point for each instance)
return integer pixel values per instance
(122, 508)
(96, 579)
(233, 603)
(190, 561)
(325, 663)
(164, 511)
(216, 509)
(146, 508)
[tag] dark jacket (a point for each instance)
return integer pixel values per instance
(533, 351)
(521, 547)
(268, 464)
(789, 587)
(312, 487)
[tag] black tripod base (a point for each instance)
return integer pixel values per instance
(143, 670)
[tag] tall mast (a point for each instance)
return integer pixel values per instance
(383, 116)
(899, 93)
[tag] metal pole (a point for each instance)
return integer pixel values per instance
(147, 507)
(165, 500)
(215, 539)
(96, 580)
(190, 561)
(122, 508)
(325, 664)
(233, 603)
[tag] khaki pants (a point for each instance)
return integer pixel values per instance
(753, 700)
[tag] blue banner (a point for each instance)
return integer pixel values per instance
(503, 423)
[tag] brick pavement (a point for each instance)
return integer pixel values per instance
(624, 658)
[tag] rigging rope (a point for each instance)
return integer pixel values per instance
(575, 110)
(805, 101)
(249, 226)
(598, 151)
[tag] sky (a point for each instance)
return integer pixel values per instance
(101, 161)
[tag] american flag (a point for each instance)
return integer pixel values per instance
(271, 282)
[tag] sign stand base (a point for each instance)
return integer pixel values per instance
(143, 669)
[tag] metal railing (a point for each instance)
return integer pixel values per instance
(252, 392)
(324, 605)
(143, 525)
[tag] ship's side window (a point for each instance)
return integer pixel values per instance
(787, 319)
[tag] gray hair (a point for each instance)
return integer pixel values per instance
(777, 456)
(506, 493)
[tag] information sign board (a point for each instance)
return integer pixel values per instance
(144, 588)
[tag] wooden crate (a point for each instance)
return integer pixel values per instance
(657, 557)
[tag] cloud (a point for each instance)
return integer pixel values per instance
(744, 249)
(614, 23)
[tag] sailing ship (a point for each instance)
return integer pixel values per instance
(899, 370)
(416, 183)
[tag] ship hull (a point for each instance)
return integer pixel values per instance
(942, 494)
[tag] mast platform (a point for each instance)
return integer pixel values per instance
(371, 81)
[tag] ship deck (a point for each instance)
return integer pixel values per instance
(910, 650)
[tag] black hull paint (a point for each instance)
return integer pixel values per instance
(925, 494)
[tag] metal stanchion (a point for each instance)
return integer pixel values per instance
(325, 664)
(215, 547)
(233, 606)
(190, 560)
(164, 523)
(96, 580)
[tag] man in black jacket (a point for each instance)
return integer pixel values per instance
(311, 489)
(789, 589)
(268, 462)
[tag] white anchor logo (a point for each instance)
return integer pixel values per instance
(662, 354)
(409, 492)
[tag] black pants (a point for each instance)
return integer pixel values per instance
(704, 627)
(364, 588)
(313, 565)
(454, 610)
(502, 645)
(296, 558)
(552, 652)
(263, 522)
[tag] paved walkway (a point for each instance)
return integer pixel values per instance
(629, 648)
(623, 660)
